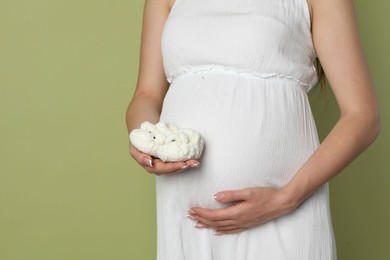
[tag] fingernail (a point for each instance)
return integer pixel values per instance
(198, 225)
(197, 164)
(184, 166)
(191, 217)
(217, 233)
(191, 211)
(218, 196)
(148, 161)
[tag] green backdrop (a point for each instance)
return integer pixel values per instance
(68, 188)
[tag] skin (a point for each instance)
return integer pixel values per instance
(151, 87)
(336, 40)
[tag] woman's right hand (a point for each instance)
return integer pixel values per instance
(158, 167)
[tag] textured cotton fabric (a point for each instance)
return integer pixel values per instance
(239, 73)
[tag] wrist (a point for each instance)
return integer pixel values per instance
(289, 198)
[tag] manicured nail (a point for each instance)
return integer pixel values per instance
(218, 196)
(217, 233)
(148, 161)
(198, 225)
(191, 211)
(184, 166)
(197, 164)
(191, 217)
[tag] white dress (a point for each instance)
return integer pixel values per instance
(240, 71)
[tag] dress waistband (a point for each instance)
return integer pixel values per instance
(220, 68)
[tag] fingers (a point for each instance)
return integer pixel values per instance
(141, 158)
(229, 229)
(214, 224)
(220, 227)
(221, 218)
(203, 225)
(192, 163)
(158, 167)
(224, 221)
(233, 195)
(251, 207)
(161, 167)
(227, 213)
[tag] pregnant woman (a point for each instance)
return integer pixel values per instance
(238, 72)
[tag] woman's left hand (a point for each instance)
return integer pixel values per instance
(254, 207)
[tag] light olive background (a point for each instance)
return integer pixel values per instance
(68, 188)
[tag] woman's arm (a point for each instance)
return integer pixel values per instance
(340, 51)
(151, 86)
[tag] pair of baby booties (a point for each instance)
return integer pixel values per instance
(167, 142)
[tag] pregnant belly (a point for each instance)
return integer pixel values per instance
(257, 132)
